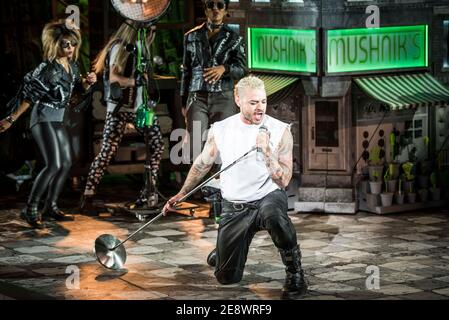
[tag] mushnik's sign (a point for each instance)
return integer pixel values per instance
(352, 50)
(282, 49)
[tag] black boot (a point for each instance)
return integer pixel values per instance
(87, 206)
(212, 258)
(52, 211)
(295, 285)
(31, 215)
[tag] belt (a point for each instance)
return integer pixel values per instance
(238, 206)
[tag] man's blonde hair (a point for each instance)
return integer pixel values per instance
(249, 82)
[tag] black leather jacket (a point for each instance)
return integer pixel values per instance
(48, 86)
(227, 50)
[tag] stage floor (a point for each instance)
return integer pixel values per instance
(168, 260)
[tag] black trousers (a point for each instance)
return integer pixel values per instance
(203, 110)
(54, 145)
(239, 224)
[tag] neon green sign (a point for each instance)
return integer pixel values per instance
(377, 48)
(282, 49)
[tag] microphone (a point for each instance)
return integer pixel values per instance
(259, 155)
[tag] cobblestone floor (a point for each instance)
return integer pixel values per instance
(168, 260)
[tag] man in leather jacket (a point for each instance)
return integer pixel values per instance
(214, 58)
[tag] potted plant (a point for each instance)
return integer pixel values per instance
(391, 178)
(375, 164)
(400, 194)
(394, 152)
(434, 191)
(387, 197)
(425, 167)
(445, 180)
(375, 185)
(423, 194)
(409, 180)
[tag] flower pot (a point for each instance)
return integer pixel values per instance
(375, 187)
(409, 186)
(399, 198)
(365, 171)
(372, 200)
(423, 195)
(435, 194)
(392, 185)
(423, 181)
(375, 171)
(386, 199)
(411, 197)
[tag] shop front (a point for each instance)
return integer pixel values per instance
(358, 98)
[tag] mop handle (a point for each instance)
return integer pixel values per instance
(212, 177)
(185, 197)
(138, 230)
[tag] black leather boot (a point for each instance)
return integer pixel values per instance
(212, 258)
(52, 211)
(87, 206)
(295, 285)
(31, 215)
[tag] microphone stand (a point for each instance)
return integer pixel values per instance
(149, 192)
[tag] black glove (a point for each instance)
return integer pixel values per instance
(140, 79)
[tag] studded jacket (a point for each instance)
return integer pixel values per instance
(48, 86)
(227, 50)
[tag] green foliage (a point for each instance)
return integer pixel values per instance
(387, 177)
(408, 167)
(374, 156)
(433, 179)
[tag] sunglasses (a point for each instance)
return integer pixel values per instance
(66, 43)
(212, 4)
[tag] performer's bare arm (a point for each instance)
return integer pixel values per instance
(5, 125)
(124, 82)
(280, 161)
(203, 163)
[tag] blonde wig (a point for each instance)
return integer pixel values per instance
(52, 35)
(127, 35)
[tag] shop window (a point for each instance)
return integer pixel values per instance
(446, 45)
(326, 122)
(414, 129)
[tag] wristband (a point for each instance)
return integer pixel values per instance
(10, 120)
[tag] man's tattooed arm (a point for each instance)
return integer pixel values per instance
(202, 165)
(280, 162)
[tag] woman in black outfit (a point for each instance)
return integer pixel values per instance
(47, 90)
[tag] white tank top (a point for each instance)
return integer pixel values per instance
(249, 179)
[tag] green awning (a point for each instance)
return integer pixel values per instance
(275, 83)
(405, 91)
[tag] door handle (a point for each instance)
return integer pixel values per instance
(326, 150)
(313, 133)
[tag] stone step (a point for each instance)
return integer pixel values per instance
(345, 195)
(330, 181)
(328, 207)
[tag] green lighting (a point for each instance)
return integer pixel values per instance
(351, 50)
(282, 49)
